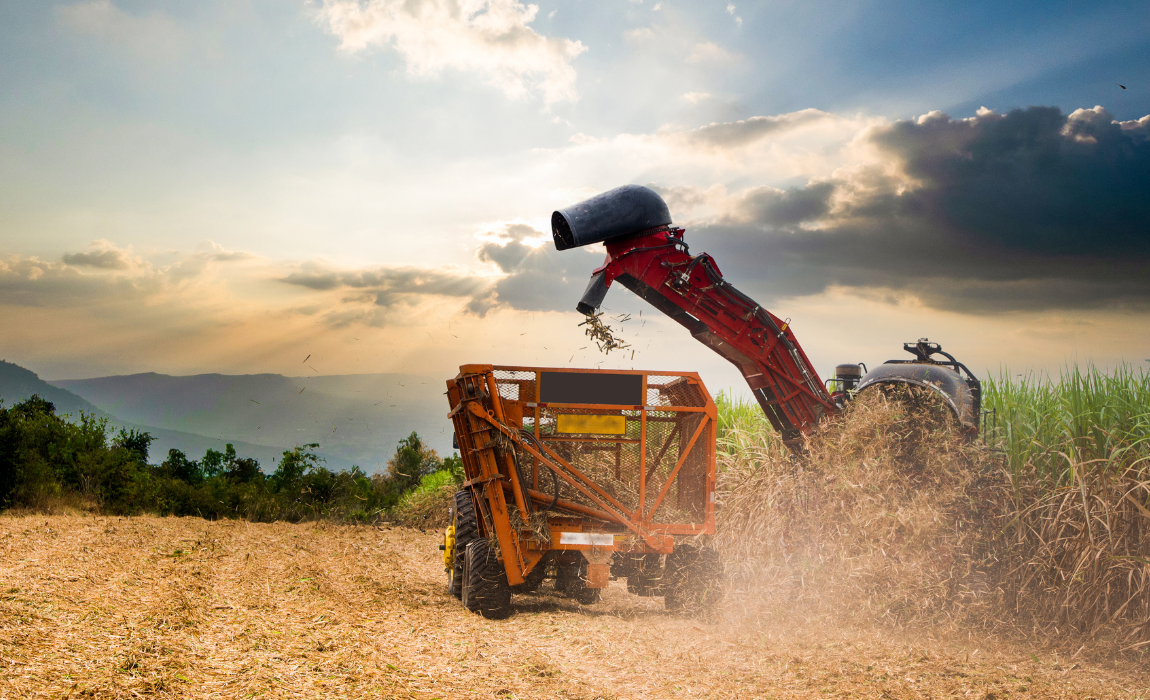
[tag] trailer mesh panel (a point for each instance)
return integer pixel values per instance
(614, 462)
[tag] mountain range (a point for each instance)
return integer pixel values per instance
(356, 419)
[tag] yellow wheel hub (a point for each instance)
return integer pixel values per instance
(449, 548)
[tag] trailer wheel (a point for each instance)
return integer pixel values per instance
(466, 530)
(533, 580)
(693, 577)
(571, 579)
(486, 591)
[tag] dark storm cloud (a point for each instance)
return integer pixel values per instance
(1033, 179)
(783, 208)
(1028, 210)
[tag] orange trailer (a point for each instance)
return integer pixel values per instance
(582, 475)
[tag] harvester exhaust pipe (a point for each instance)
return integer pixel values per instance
(623, 211)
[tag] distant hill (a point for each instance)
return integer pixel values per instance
(356, 419)
(18, 383)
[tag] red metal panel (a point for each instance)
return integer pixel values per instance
(693, 292)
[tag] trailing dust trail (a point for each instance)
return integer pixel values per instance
(182, 607)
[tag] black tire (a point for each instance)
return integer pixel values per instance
(466, 530)
(694, 579)
(639, 585)
(565, 572)
(571, 580)
(486, 591)
(644, 575)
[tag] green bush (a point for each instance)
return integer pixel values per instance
(46, 460)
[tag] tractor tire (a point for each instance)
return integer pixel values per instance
(693, 578)
(466, 530)
(485, 591)
(571, 580)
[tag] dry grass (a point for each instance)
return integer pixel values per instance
(1080, 553)
(882, 520)
(426, 509)
(894, 519)
(182, 607)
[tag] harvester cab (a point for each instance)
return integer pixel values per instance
(579, 476)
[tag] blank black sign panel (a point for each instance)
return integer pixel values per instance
(575, 387)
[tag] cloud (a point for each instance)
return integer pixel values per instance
(102, 254)
(526, 274)
(210, 250)
(107, 275)
(491, 38)
(533, 275)
(731, 9)
(708, 52)
(639, 35)
(775, 207)
(725, 135)
(388, 287)
(696, 97)
(1032, 209)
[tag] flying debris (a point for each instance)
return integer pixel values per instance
(602, 335)
(307, 358)
(1120, 85)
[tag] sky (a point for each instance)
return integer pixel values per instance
(235, 186)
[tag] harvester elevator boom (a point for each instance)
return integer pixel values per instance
(648, 255)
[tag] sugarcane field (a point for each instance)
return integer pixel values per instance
(894, 592)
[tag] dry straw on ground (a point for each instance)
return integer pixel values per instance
(182, 607)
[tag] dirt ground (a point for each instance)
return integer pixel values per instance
(182, 607)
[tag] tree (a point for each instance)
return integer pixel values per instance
(135, 442)
(216, 463)
(244, 470)
(411, 462)
(295, 463)
(180, 467)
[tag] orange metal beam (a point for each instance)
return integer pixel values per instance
(621, 516)
(679, 465)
